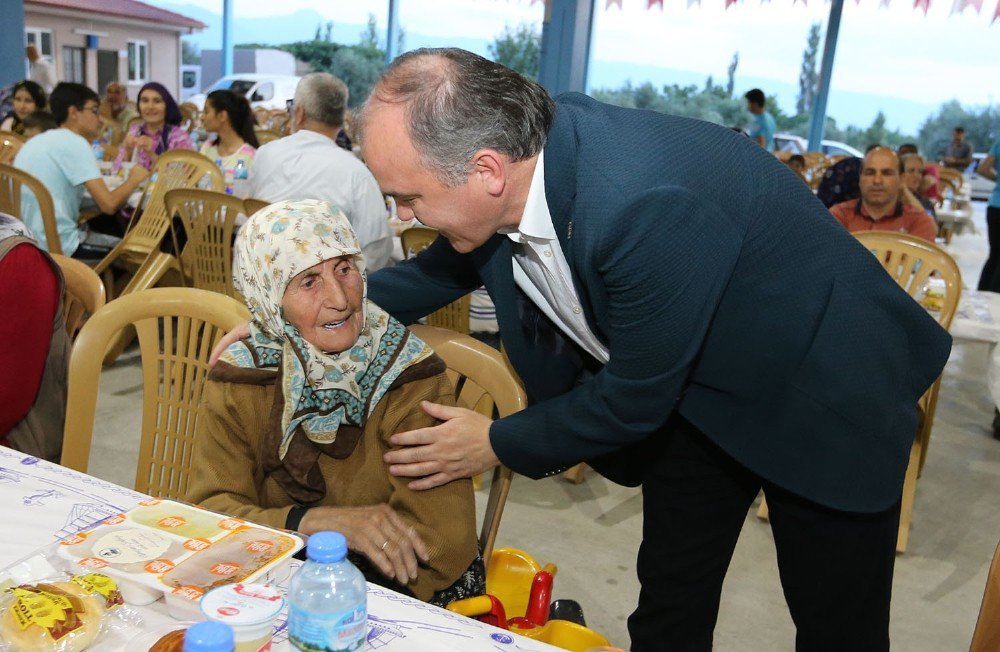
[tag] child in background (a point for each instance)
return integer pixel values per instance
(38, 122)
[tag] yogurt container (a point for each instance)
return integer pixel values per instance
(250, 609)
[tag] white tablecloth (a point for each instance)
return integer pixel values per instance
(43, 502)
(978, 318)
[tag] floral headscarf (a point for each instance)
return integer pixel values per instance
(322, 391)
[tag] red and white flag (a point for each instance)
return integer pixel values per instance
(922, 4)
(996, 14)
(959, 6)
(652, 3)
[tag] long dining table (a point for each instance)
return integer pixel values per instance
(41, 503)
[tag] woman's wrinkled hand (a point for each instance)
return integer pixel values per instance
(377, 532)
(232, 337)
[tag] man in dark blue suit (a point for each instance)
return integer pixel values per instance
(684, 314)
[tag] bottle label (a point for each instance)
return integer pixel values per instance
(341, 631)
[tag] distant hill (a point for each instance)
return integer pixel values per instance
(846, 107)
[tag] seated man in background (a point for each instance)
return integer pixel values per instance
(309, 165)
(64, 162)
(115, 105)
(880, 207)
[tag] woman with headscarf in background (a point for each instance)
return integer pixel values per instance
(159, 131)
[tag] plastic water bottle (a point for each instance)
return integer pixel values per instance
(327, 600)
(209, 637)
(240, 176)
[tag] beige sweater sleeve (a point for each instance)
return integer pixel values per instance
(444, 517)
(226, 470)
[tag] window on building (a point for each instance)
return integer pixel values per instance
(138, 61)
(74, 64)
(41, 39)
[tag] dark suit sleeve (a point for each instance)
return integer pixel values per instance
(420, 285)
(665, 262)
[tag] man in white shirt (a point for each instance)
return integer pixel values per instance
(40, 71)
(309, 165)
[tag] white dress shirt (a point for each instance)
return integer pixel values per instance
(541, 270)
(43, 73)
(308, 165)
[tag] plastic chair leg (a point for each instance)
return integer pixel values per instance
(575, 473)
(149, 274)
(909, 493)
(762, 510)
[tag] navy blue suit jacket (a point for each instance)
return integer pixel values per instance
(724, 290)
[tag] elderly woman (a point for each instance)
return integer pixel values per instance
(159, 131)
(299, 414)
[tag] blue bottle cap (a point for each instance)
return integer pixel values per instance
(209, 637)
(326, 547)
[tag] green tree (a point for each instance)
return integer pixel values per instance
(808, 79)
(982, 127)
(190, 54)
(369, 37)
(518, 48)
(329, 32)
(731, 74)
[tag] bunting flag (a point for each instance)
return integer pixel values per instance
(996, 14)
(651, 3)
(958, 6)
(692, 3)
(922, 4)
(730, 3)
(883, 3)
(609, 4)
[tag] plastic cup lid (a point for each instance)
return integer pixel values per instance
(242, 605)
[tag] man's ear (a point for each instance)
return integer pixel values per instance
(490, 167)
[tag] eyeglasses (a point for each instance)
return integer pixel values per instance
(96, 110)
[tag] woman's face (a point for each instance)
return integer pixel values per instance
(324, 303)
(210, 118)
(913, 173)
(24, 104)
(152, 108)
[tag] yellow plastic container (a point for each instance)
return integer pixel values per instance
(509, 578)
(564, 634)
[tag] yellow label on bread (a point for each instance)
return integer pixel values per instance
(101, 585)
(47, 610)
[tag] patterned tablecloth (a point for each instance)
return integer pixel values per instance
(43, 502)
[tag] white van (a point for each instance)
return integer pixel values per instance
(268, 91)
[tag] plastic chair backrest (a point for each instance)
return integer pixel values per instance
(12, 180)
(10, 143)
(954, 177)
(177, 329)
(986, 637)
(454, 316)
(252, 205)
(83, 292)
(174, 169)
(484, 383)
(911, 261)
(208, 218)
(265, 136)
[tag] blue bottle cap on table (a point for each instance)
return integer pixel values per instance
(209, 637)
(326, 547)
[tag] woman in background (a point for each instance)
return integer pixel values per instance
(228, 115)
(28, 98)
(159, 131)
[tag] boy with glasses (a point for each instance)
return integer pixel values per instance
(64, 162)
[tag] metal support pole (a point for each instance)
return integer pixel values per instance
(817, 124)
(12, 58)
(392, 32)
(566, 45)
(227, 37)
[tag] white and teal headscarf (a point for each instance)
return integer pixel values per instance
(322, 391)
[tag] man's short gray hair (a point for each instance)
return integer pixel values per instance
(323, 97)
(458, 102)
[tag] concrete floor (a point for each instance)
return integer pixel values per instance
(592, 530)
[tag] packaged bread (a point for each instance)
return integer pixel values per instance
(172, 642)
(51, 617)
(233, 559)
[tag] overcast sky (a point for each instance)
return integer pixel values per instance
(894, 51)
